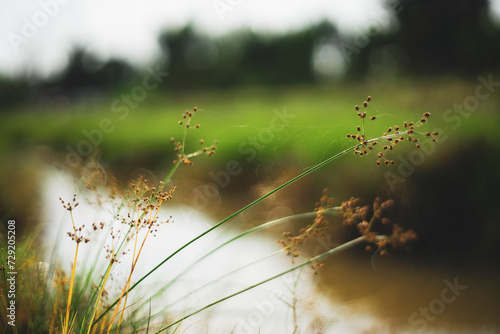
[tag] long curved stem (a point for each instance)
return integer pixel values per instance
(340, 248)
(251, 231)
(66, 325)
(301, 175)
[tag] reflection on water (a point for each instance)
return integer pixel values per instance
(410, 298)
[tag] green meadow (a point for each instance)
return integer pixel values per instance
(316, 120)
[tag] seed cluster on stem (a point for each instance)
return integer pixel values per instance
(393, 135)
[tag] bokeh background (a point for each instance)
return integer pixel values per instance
(86, 84)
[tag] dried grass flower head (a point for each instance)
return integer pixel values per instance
(372, 222)
(145, 201)
(407, 132)
(78, 234)
(375, 220)
(318, 228)
(179, 149)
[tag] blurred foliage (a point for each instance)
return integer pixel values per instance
(84, 70)
(422, 38)
(241, 58)
(13, 92)
(435, 38)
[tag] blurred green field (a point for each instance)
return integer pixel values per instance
(320, 118)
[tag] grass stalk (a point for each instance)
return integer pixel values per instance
(99, 295)
(248, 232)
(60, 287)
(70, 292)
(71, 283)
(335, 250)
(248, 206)
(135, 259)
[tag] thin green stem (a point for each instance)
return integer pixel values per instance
(184, 136)
(218, 279)
(172, 171)
(337, 249)
(248, 206)
(250, 231)
(305, 215)
(363, 122)
(99, 294)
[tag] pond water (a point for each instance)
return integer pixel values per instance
(348, 297)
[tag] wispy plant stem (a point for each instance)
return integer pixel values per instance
(72, 281)
(340, 248)
(250, 231)
(171, 173)
(70, 292)
(99, 294)
(303, 174)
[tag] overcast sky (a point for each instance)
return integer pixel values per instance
(36, 36)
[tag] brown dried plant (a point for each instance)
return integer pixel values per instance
(141, 202)
(406, 132)
(370, 222)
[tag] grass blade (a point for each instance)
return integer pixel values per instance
(335, 250)
(248, 206)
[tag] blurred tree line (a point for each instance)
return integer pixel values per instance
(426, 38)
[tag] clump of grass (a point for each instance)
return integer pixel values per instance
(31, 291)
(141, 202)
(147, 209)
